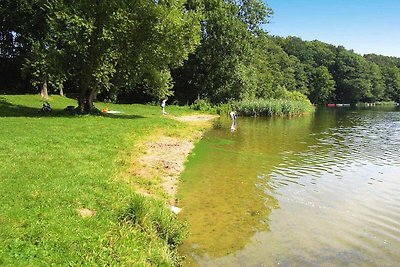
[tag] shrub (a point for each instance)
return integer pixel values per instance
(202, 105)
(206, 106)
(296, 96)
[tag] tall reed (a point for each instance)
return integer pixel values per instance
(272, 107)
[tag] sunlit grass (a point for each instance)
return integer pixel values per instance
(54, 164)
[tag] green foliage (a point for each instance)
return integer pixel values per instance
(322, 85)
(223, 68)
(103, 45)
(296, 96)
(391, 78)
(215, 50)
(272, 107)
(383, 61)
(336, 74)
(202, 105)
(206, 106)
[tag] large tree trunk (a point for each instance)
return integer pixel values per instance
(81, 102)
(89, 102)
(85, 101)
(88, 82)
(43, 90)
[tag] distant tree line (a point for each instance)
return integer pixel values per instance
(216, 50)
(332, 73)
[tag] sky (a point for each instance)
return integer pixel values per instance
(365, 26)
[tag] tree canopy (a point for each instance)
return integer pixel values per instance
(102, 45)
(217, 50)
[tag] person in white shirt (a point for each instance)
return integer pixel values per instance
(233, 116)
(163, 104)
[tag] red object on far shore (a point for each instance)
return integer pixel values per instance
(331, 105)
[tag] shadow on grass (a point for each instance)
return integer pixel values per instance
(122, 116)
(8, 109)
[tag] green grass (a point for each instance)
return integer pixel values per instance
(53, 164)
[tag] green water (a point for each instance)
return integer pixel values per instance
(322, 189)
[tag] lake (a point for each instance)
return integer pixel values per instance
(320, 189)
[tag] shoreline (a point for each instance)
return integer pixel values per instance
(161, 157)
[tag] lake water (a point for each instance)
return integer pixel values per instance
(316, 190)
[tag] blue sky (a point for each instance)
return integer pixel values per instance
(366, 26)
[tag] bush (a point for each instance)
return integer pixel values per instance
(296, 96)
(202, 105)
(206, 106)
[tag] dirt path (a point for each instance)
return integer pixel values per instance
(196, 118)
(165, 157)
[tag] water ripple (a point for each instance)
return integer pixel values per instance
(350, 183)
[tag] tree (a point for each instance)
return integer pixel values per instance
(350, 74)
(22, 23)
(374, 74)
(383, 61)
(387, 76)
(271, 64)
(323, 54)
(391, 76)
(222, 67)
(105, 45)
(295, 46)
(124, 45)
(322, 85)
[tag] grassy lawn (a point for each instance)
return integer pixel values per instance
(53, 165)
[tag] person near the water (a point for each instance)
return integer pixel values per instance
(233, 116)
(163, 104)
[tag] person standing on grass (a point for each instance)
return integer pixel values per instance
(163, 104)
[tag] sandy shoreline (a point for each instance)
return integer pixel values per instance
(164, 158)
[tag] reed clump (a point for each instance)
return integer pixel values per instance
(258, 107)
(272, 107)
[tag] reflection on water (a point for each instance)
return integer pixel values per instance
(315, 190)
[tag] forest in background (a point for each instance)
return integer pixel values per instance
(141, 51)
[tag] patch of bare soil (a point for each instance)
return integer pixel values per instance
(86, 213)
(166, 156)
